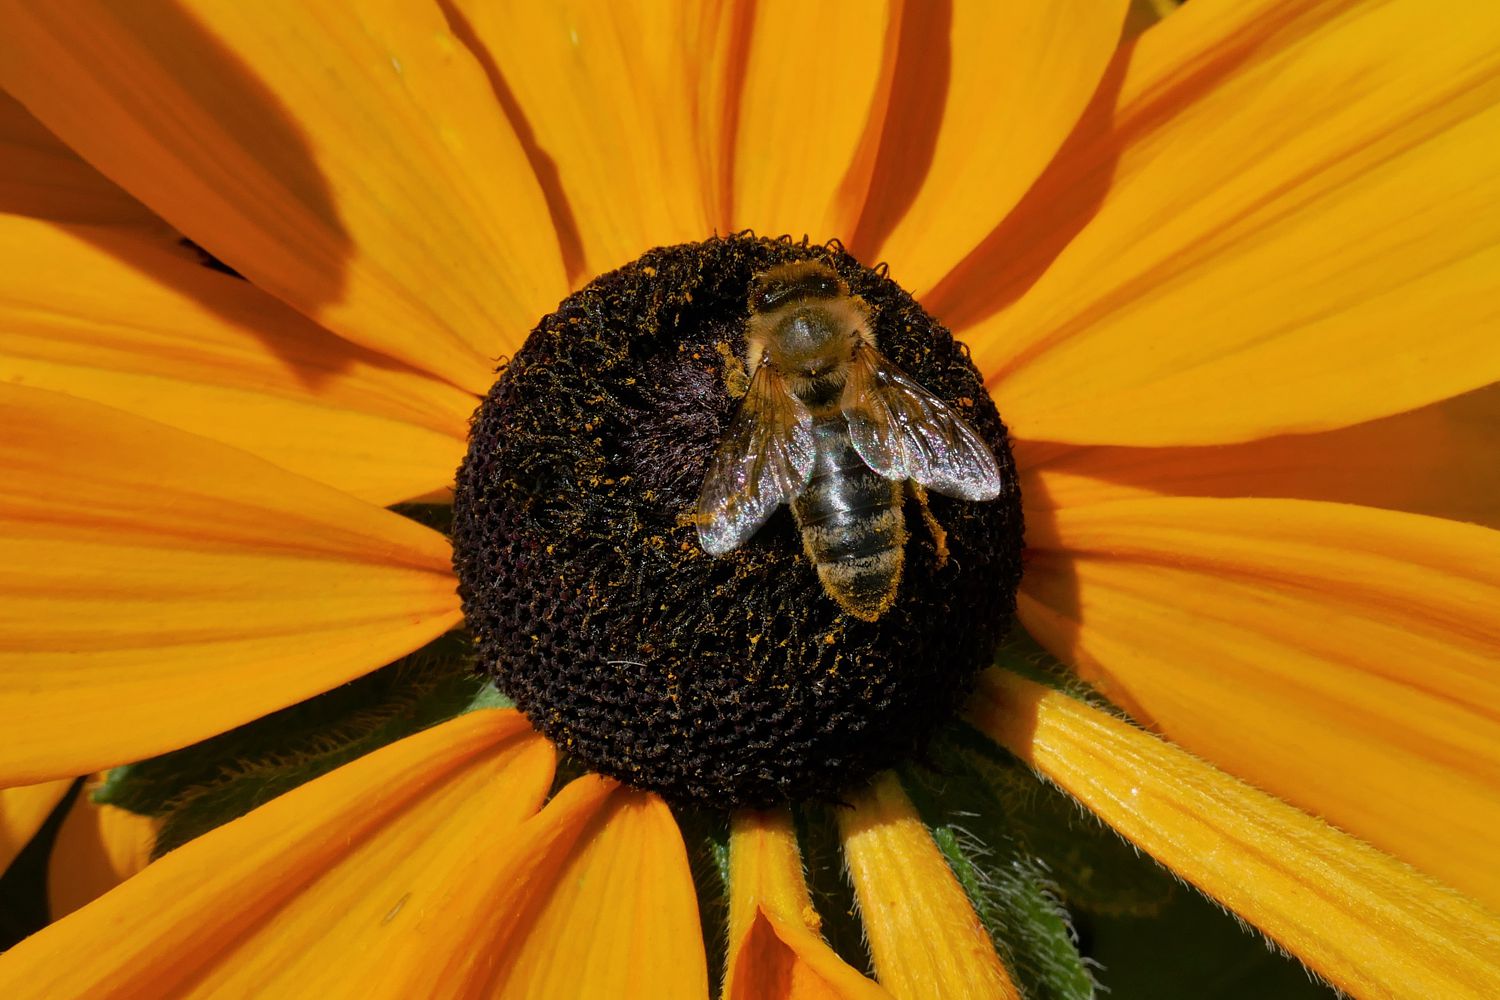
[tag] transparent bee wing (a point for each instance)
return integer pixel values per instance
(764, 461)
(902, 431)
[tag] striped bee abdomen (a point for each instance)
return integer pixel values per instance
(852, 526)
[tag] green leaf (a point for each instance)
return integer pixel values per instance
(437, 516)
(832, 895)
(1021, 654)
(23, 885)
(1192, 949)
(1093, 867)
(208, 784)
(706, 834)
(1008, 886)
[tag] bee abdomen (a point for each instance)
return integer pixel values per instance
(852, 526)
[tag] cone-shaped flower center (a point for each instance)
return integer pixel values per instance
(711, 657)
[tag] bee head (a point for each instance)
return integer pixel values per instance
(805, 317)
(793, 283)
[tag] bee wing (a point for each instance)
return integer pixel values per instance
(902, 431)
(764, 461)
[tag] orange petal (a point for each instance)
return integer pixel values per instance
(1287, 220)
(97, 313)
(385, 844)
(599, 903)
(775, 951)
(97, 848)
(610, 90)
(157, 588)
(1364, 921)
(350, 159)
(23, 810)
(983, 95)
(43, 179)
(809, 83)
(926, 939)
(1438, 460)
(1340, 657)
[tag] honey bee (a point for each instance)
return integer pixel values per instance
(834, 428)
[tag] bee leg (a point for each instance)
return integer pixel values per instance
(939, 536)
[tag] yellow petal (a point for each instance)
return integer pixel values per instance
(1288, 220)
(157, 588)
(775, 951)
(599, 903)
(97, 848)
(295, 898)
(1438, 460)
(926, 939)
(807, 87)
(43, 179)
(98, 313)
(1340, 657)
(350, 159)
(1364, 921)
(610, 91)
(23, 810)
(983, 95)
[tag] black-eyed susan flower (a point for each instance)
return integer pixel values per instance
(1231, 286)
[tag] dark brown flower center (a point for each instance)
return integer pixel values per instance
(731, 680)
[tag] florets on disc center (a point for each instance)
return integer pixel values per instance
(734, 679)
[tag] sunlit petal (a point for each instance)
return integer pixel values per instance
(775, 952)
(295, 897)
(1340, 657)
(157, 588)
(807, 84)
(982, 96)
(599, 902)
(1438, 460)
(97, 313)
(349, 158)
(926, 939)
(1366, 922)
(1289, 222)
(609, 89)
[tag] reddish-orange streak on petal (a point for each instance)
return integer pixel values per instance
(100, 313)
(350, 159)
(1285, 218)
(1366, 922)
(979, 97)
(43, 179)
(157, 588)
(1438, 460)
(803, 108)
(609, 88)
